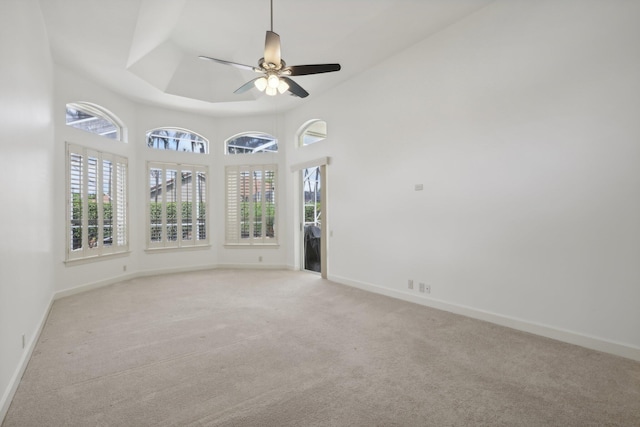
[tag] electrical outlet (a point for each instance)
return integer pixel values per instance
(421, 287)
(410, 284)
(259, 259)
(24, 340)
(427, 289)
(124, 267)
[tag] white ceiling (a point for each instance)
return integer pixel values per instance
(148, 50)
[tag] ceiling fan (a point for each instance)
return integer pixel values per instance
(275, 72)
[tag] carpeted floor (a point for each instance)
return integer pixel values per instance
(282, 348)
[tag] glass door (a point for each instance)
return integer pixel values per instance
(312, 224)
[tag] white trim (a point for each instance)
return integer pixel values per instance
(14, 382)
(164, 271)
(251, 245)
(322, 161)
(94, 285)
(587, 341)
(252, 266)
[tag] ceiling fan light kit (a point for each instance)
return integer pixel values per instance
(275, 71)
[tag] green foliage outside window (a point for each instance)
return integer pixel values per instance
(172, 209)
(270, 214)
(172, 220)
(309, 212)
(76, 221)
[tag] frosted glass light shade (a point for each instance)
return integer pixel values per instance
(283, 87)
(261, 84)
(271, 91)
(273, 81)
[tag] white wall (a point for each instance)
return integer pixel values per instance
(71, 277)
(26, 159)
(521, 122)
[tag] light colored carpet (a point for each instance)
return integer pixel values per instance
(281, 348)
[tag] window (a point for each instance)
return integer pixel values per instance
(94, 119)
(177, 140)
(96, 204)
(177, 208)
(251, 204)
(251, 143)
(312, 132)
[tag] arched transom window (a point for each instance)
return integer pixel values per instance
(177, 139)
(95, 119)
(312, 132)
(251, 143)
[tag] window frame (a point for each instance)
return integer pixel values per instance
(119, 201)
(233, 206)
(180, 242)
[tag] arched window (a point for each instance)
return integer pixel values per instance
(250, 143)
(177, 139)
(312, 132)
(95, 119)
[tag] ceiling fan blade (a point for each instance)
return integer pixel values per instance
(247, 86)
(295, 88)
(233, 64)
(272, 49)
(302, 70)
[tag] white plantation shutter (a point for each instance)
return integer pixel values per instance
(177, 205)
(232, 205)
(121, 237)
(91, 213)
(200, 210)
(75, 171)
(269, 204)
(250, 204)
(96, 203)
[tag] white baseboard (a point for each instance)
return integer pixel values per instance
(94, 285)
(259, 266)
(155, 272)
(176, 270)
(8, 394)
(593, 343)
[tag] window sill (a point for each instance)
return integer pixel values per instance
(95, 258)
(177, 249)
